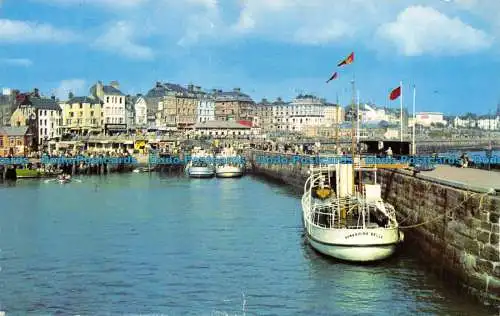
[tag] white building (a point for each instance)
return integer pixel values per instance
(304, 110)
(489, 123)
(206, 109)
(371, 113)
(222, 129)
(113, 102)
(464, 122)
(141, 111)
(46, 115)
(429, 118)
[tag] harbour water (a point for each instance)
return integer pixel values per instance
(147, 243)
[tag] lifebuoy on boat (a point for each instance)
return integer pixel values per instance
(323, 193)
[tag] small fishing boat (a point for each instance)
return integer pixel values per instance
(348, 221)
(64, 178)
(143, 169)
(201, 165)
(229, 164)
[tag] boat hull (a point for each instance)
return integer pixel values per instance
(229, 172)
(358, 253)
(356, 245)
(200, 172)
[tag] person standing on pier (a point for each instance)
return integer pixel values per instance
(389, 152)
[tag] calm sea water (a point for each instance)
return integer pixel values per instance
(139, 243)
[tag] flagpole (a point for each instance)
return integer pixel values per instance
(414, 148)
(357, 119)
(337, 145)
(401, 110)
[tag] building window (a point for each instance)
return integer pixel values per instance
(1, 141)
(11, 141)
(71, 114)
(91, 113)
(107, 99)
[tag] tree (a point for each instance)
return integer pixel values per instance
(71, 95)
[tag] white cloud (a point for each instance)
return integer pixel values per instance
(76, 86)
(419, 30)
(120, 39)
(15, 31)
(309, 22)
(22, 62)
(305, 22)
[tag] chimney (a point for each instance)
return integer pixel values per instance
(197, 89)
(99, 90)
(190, 87)
(158, 84)
(53, 97)
(115, 84)
(236, 89)
(36, 92)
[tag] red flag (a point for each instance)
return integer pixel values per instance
(396, 93)
(334, 76)
(349, 60)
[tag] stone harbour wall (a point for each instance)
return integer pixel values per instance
(457, 231)
(461, 237)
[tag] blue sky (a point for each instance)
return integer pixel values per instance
(269, 48)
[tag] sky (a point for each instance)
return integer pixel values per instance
(448, 49)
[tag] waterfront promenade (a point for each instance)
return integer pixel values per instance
(469, 178)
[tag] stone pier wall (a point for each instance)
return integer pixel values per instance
(461, 237)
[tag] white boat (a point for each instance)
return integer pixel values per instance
(348, 223)
(64, 178)
(201, 165)
(143, 169)
(229, 164)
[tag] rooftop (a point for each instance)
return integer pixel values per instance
(111, 90)
(42, 103)
(83, 100)
(235, 95)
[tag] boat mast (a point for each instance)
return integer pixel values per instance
(337, 125)
(353, 131)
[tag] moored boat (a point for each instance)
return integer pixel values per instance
(200, 165)
(229, 164)
(347, 221)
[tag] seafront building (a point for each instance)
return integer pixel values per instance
(42, 115)
(305, 111)
(206, 108)
(15, 141)
(113, 106)
(82, 115)
(170, 108)
(140, 111)
(233, 105)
